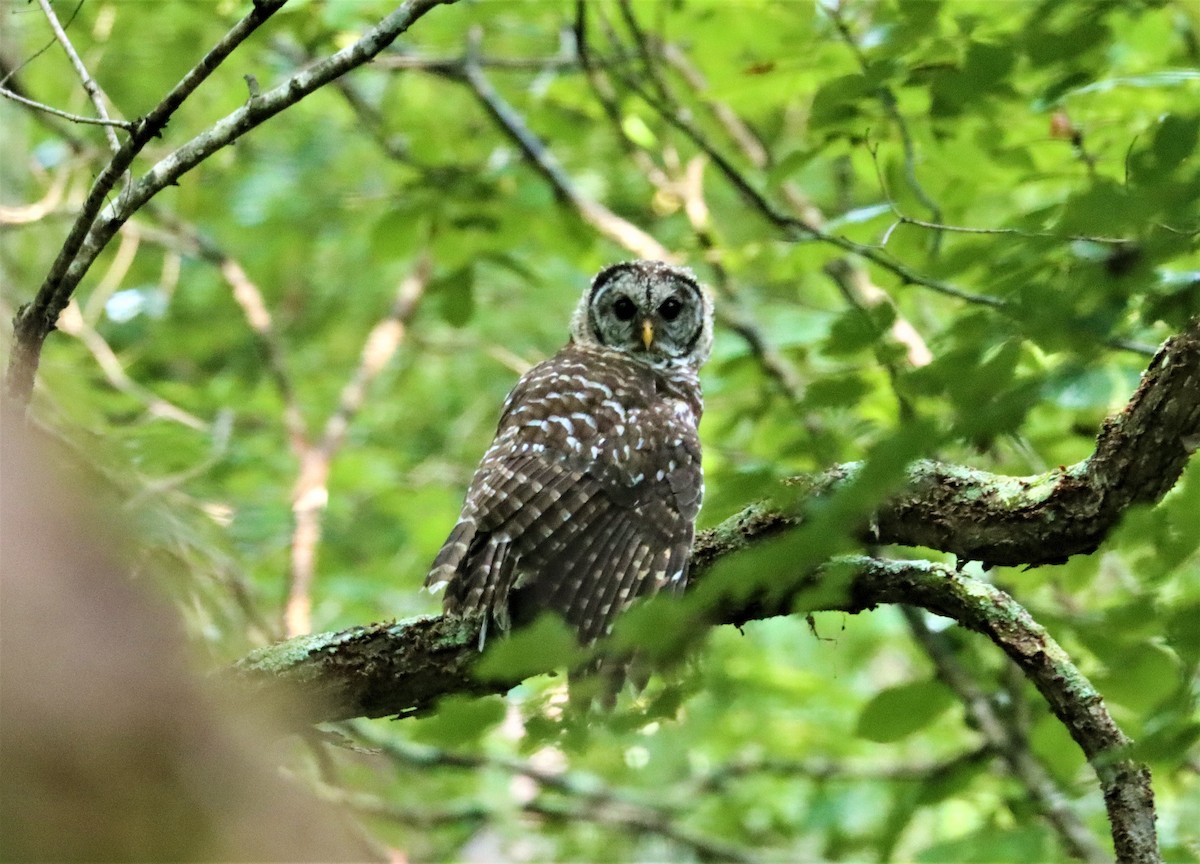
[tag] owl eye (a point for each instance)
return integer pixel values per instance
(624, 309)
(670, 308)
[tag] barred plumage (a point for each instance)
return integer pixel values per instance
(587, 497)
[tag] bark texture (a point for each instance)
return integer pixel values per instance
(404, 667)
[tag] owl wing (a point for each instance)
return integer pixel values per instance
(571, 510)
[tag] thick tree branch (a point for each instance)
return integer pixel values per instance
(1043, 519)
(402, 668)
(393, 668)
(405, 667)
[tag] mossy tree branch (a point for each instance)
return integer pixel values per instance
(394, 668)
(404, 667)
(1043, 519)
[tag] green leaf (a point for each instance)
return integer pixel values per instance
(1174, 141)
(899, 711)
(459, 720)
(991, 843)
(843, 390)
(951, 783)
(856, 329)
(838, 100)
(454, 295)
(1140, 676)
(920, 13)
(544, 646)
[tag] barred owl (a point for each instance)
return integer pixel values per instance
(587, 497)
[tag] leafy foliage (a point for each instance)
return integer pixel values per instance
(1037, 159)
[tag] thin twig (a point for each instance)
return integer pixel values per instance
(72, 322)
(311, 494)
(649, 61)
(65, 115)
(1012, 232)
(64, 131)
(888, 99)
(89, 83)
(9, 72)
(608, 805)
(586, 787)
(861, 293)
(619, 230)
(739, 130)
(26, 214)
(732, 312)
(606, 96)
(626, 818)
(824, 770)
(380, 345)
(186, 239)
(798, 228)
(91, 232)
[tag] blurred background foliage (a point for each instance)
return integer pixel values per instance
(1063, 134)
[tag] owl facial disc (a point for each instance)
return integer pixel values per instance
(653, 311)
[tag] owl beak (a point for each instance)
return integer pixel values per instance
(647, 333)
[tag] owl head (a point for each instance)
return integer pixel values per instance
(650, 310)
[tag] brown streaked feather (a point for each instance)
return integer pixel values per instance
(586, 498)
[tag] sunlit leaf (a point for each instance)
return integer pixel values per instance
(899, 711)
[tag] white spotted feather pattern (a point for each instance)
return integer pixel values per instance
(587, 497)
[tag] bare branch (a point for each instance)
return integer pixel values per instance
(311, 495)
(731, 312)
(796, 228)
(186, 239)
(35, 212)
(620, 231)
(93, 229)
(89, 83)
(73, 323)
(888, 99)
(641, 819)
(618, 806)
(36, 320)
(65, 115)
(858, 288)
(823, 770)
(863, 294)
(11, 70)
(736, 128)
(381, 344)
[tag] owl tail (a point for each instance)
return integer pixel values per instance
(445, 570)
(477, 572)
(602, 679)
